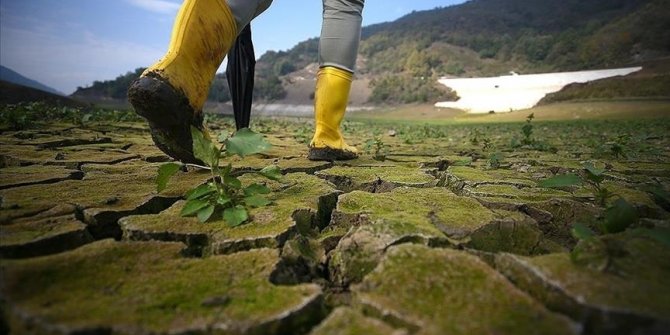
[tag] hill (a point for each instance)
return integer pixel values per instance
(110, 91)
(400, 61)
(653, 82)
(11, 76)
(493, 37)
(11, 93)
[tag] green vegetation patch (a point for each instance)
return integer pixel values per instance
(474, 176)
(656, 169)
(118, 188)
(369, 178)
(18, 155)
(632, 290)
(440, 290)
(35, 174)
(512, 192)
(633, 196)
(609, 88)
(267, 227)
(26, 232)
(432, 216)
(149, 288)
(44, 236)
(347, 321)
(429, 210)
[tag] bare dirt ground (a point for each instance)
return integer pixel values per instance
(438, 228)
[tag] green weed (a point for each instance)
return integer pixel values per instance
(377, 148)
(303, 134)
(528, 141)
(495, 160)
(527, 130)
(223, 196)
(591, 176)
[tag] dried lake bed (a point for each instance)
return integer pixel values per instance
(433, 224)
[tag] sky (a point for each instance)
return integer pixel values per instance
(69, 43)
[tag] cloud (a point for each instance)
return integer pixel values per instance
(157, 6)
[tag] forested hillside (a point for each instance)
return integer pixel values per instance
(493, 37)
(404, 58)
(118, 88)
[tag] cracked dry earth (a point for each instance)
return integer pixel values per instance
(429, 241)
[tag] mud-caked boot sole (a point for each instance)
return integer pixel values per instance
(170, 116)
(330, 154)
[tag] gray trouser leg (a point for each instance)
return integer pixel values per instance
(246, 10)
(340, 33)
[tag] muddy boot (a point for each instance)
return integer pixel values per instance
(330, 102)
(171, 93)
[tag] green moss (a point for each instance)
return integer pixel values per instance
(250, 163)
(26, 232)
(357, 254)
(636, 283)
(86, 156)
(474, 176)
(633, 196)
(418, 210)
(647, 169)
(440, 290)
(512, 192)
(34, 174)
(332, 231)
(301, 164)
(149, 287)
(405, 214)
(518, 237)
(112, 188)
(295, 192)
(347, 321)
(146, 150)
(356, 178)
(563, 163)
(15, 155)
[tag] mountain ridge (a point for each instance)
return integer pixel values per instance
(402, 59)
(11, 76)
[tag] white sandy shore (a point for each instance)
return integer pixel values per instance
(512, 92)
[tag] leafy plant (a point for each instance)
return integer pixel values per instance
(224, 196)
(303, 134)
(660, 196)
(590, 175)
(595, 177)
(596, 252)
(474, 137)
(615, 149)
(561, 181)
(487, 144)
(377, 147)
(528, 141)
(495, 160)
(527, 130)
(15, 117)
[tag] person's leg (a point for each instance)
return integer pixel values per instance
(338, 47)
(340, 33)
(247, 10)
(171, 93)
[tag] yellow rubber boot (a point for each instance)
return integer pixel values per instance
(202, 35)
(330, 103)
(171, 93)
